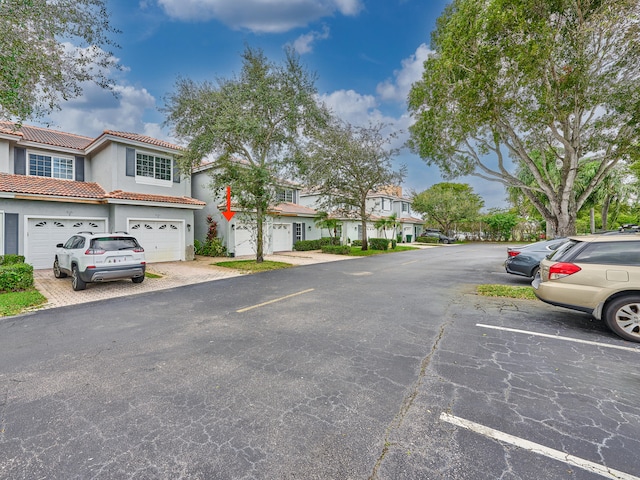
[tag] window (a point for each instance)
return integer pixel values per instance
(610, 253)
(48, 166)
(153, 167)
(386, 204)
(285, 195)
(405, 207)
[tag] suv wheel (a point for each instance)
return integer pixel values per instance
(138, 279)
(56, 270)
(623, 317)
(76, 282)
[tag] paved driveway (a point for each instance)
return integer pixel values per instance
(173, 274)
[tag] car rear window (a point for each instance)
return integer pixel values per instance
(114, 243)
(610, 253)
(563, 251)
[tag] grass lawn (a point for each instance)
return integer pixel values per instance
(357, 251)
(252, 266)
(507, 291)
(13, 303)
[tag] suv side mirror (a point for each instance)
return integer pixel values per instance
(60, 245)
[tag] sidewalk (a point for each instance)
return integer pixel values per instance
(173, 274)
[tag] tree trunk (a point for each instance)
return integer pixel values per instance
(259, 240)
(363, 218)
(605, 212)
(592, 220)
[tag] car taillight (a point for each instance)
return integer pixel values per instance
(94, 251)
(138, 249)
(513, 253)
(561, 270)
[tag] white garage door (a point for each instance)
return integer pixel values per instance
(282, 237)
(44, 233)
(245, 240)
(162, 240)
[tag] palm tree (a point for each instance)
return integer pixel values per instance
(323, 220)
(387, 222)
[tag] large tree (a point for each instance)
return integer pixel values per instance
(47, 50)
(251, 124)
(346, 164)
(516, 77)
(447, 204)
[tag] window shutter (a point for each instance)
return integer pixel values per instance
(11, 232)
(176, 172)
(19, 161)
(294, 232)
(131, 162)
(79, 169)
(304, 231)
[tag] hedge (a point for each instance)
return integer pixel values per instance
(15, 277)
(306, 245)
(336, 249)
(379, 243)
(428, 240)
(11, 259)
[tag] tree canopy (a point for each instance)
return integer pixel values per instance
(47, 50)
(522, 77)
(447, 204)
(346, 163)
(251, 126)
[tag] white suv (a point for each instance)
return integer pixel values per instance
(99, 257)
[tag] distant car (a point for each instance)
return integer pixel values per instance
(442, 238)
(525, 260)
(99, 257)
(597, 274)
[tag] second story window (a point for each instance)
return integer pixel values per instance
(153, 167)
(386, 204)
(405, 207)
(285, 195)
(49, 166)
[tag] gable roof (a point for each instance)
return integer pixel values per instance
(46, 136)
(147, 197)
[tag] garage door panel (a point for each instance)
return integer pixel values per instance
(282, 237)
(162, 240)
(44, 233)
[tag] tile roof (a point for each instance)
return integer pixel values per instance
(47, 136)
(287, 208)
(146, 197)
(141, 138)
(33, 185)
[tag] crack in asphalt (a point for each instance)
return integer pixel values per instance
(407, 403)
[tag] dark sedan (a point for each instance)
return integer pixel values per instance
(525, 260)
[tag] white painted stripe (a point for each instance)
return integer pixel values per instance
(537, 448)
(558, 337)
(274, 300)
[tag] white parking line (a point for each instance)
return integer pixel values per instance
(537, 448)
(558, 337)
(274, 301)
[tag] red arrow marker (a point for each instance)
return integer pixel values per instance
(228, 214)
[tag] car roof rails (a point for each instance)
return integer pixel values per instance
(86, 231)
(121, 231)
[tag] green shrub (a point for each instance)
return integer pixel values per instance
(11, 259)
(210, 248)
(306, 245)
(16, 277)
(356, 243)
(427, 239)
(394, 244)
(336, 249)
(329, 241)
(379, 243)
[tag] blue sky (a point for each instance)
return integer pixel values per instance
(365, 53)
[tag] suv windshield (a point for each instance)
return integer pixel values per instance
(114, 243)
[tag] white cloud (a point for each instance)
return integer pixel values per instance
(304, 43)
(267, 16)
(411, 71)
(98, 110)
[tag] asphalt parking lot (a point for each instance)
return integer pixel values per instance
(386, 367)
